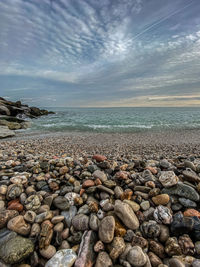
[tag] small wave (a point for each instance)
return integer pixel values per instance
(94, 126)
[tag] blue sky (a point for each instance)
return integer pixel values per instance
(100, 53)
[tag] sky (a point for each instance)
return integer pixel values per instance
(100, 53)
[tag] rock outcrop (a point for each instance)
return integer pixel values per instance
(13, 116)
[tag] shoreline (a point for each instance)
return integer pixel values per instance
(166, 143)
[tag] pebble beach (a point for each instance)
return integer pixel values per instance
(96, 199)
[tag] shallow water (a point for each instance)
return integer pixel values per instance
(118, 119)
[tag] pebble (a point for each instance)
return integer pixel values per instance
(80, 222)
(48, 252)
(191, 213)
(168, 178)
(126, 214)
(86, 212)
(106, 229)
(182, 190)
(62, 258)
(68, 215)
(30, 216)
(135, 206)
(145, 205)
(163, 215)
(175, 263)
(172, 247)
(103, 260)
(136, 257)
(86, 256)
(61, 203)
(18, 225)
(162, 199)
(187, 202)
(116, 248)
(32, 202)
(100, 175)
(150, 229)
(99, 158)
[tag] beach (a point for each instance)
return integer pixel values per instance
(100, 199)
(152, 143)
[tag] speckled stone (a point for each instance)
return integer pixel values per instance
(163, 215)
(103, 260)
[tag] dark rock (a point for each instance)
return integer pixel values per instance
(182, 190)
(61, 203)
(181, 225)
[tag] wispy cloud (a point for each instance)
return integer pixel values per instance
(90, 51)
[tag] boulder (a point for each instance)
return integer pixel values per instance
(4, 110)
(6, 132)
(11, 125)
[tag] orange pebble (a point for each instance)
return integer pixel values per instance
(87, 183)
(191, 212)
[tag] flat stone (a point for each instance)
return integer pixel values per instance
(191, 213)
(62, 258)
(135, 206)
(187, 202)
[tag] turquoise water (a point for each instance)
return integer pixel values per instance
(118, 119)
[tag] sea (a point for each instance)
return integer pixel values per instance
(118, 120)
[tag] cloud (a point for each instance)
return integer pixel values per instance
(101, 52)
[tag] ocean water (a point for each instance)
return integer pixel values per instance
(118, 119)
